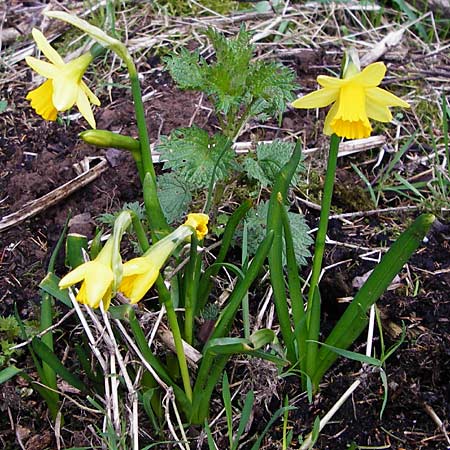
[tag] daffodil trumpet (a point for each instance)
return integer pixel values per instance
(355, 99)
(100, 277)
(64, 86)
(139, 274)
(96, 277)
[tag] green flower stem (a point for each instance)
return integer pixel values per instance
(191, 290)
(46, 321)
(166, 299)
(313, 307)
(140, 232)
(158, 223)
(155, 215)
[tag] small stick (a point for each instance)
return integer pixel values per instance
(53, 197)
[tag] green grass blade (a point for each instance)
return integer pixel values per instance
(226, 395)
(279, 412)
(354, 320)
(245, 416)
(211, 443)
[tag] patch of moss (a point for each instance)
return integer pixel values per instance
(187, 8)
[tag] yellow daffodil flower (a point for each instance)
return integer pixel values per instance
(199, 222)
(64, 86)
(356, 99)
(97, 279)
(139, 274)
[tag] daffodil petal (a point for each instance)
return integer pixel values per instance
(98, 280)
(85, 108)
(330, 116)
(74, 276)
(43, 68)
(65, 93)
(41, 100)
(45, 47)
(371, 75)
(135, 266)
(91, 96)
(330, 82)
(317, 99)
(135, 287)
(385, 98)
(378, 112)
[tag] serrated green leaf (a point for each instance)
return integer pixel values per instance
(193, 155)
(256, 222)
(186, 69)
(270, 158)
(273, 84)
(174, 195)
(232, 81)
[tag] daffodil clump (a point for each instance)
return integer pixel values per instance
(64, 86)
(355, 99)
(136, 276)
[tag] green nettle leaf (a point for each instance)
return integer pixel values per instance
(226, 79)
(186, 69)
(270, 158)
(237, 86)
(174, 195)
(195, 156)
(256, 225)
(274, 84)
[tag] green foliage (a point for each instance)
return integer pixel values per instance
(270, 158)
(195, 156)
(257, 222)
(108, 219)
(174, 194)
(10, 333)
(238, 87)
(186, 69)
(185, 7)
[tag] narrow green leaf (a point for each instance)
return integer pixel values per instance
(212, 271)
(8, 373)
(272, 420)
(75, 244)
(50, 285)
(353, 355)
(226, 395)
(52, 360)
(211, 443)
(274, 224)
(245, 416)
(354, 320)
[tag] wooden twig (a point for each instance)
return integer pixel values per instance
(53, 197)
